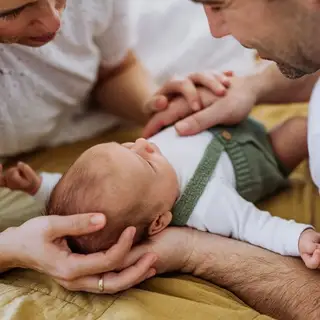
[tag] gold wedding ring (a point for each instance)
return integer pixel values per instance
(101, 284)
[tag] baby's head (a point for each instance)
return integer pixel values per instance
(133, 184)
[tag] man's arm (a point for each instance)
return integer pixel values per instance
(281, 287)
(124, 90)
(278, 286)
(274, 87)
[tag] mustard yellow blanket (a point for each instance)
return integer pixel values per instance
(28, 295)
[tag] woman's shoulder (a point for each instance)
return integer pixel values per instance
(97, 13)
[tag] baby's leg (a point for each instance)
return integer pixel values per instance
(289, 142)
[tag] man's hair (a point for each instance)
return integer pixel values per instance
(81, 191)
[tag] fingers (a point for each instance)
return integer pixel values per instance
(131, 276)
(14, 179)
(136, 253)
(178, 109)
(202, 120)
(215, 83)
(115, 282)
(184, 87)
(27, 171)
(73, 225)
(312, 261)
(101, 262)
(157, 103)
(228, 73)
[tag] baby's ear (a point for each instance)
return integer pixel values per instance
(159, 223)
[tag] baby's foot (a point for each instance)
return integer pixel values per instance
(309, 247)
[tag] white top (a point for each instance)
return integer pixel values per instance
(221, 209)
(314, 134)
(182, 47)
(43, 91)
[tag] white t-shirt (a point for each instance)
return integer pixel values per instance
(220, 209)
(43, 91)
(314, 134)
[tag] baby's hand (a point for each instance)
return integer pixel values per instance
(179, 98)
(309, 247)
(21, 178)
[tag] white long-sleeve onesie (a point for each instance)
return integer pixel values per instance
(220, 209)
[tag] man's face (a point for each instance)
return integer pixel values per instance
(286, 31)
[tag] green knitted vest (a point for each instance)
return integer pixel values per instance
(257, 172)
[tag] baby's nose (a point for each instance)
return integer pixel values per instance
(140, 144)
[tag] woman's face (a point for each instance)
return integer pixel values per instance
(30, 22)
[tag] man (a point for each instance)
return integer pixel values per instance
(286, 32)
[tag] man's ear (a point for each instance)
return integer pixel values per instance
(160, 223)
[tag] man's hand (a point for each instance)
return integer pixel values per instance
(173, 247)
(188, 91)
(21, 177)
(309, 247)
(230, 108)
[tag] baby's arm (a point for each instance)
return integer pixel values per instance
(23, 178)
(230, 215)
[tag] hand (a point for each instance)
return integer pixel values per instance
(40, 244)
(232, 108)
(309, 247)
(21, 178)
(188, 89)
(173, 247)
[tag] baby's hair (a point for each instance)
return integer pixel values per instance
(79, 191)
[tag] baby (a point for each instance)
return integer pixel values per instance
(208, 181)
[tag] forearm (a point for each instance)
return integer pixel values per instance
(124, 90)
(273, 87)
(278, 286)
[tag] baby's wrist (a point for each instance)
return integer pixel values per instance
(303, 236)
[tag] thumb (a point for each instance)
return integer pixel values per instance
(156, 104)
(202, 120)
(75, 225)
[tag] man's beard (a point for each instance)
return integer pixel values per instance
(290, 72)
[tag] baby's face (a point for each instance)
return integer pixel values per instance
(140, 171)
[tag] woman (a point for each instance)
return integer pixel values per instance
(57, 59)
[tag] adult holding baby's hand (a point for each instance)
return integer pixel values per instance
(230, 105)
(40, 244)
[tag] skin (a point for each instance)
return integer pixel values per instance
(283, 31)
(158, 182)
(23, 21)
(294, 22)
(199, 254)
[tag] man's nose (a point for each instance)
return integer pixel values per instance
(218, 26)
